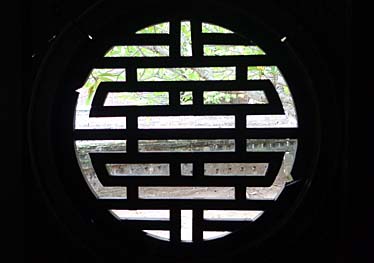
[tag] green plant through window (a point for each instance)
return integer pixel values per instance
(179, 74)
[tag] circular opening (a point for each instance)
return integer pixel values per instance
(177, 138)
(168, 101)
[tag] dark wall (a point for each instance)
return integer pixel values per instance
(327, 22)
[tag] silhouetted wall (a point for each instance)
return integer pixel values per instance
(47, 241)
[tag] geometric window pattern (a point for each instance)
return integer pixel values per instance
(186, 131)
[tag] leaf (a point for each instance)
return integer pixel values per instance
(91, 92)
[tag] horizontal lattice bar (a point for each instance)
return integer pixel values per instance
(156, 62)
(99, 161)
(148, 224)
(255, 133)
(186, 204)
(227, 39)
(177, 157)
(250, 109)
(121, 86)
(273, 106)
(253, 181)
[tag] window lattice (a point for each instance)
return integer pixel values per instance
(186, 131)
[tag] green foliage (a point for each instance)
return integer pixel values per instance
(186, 98)
(218, 97)
(186, 40)
(286, 90)
(161, 28)
(211, 28)
(180, 74)
(137, 51)
(231, 50)
(99, 75)
(145, 98)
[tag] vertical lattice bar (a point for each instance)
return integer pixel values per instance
(197, 46)
(131, 120)
(198, 169)
(198, 99)
(240, 140)
(132, 126)
(240, 193)
(175, 169)
(175, 38)
(174, 98)
(240, 118)
(197, 229)
(175, 229)
(132, 193)
(132, 146)
(131, 74)
(241, 73)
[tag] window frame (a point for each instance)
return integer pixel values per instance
(44, 136)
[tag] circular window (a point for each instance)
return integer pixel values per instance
(188, 135)
(174, 132)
